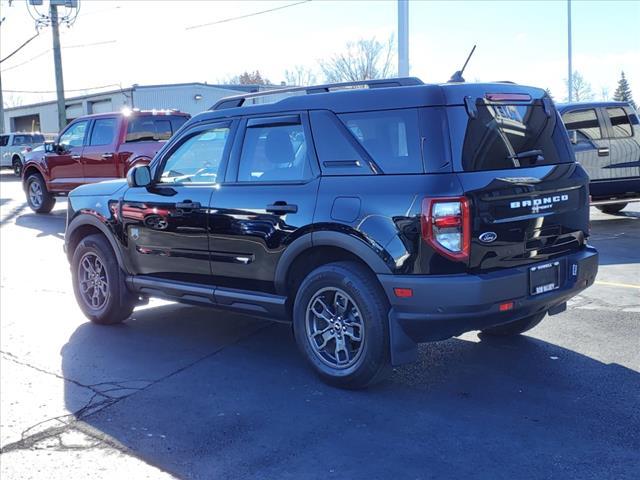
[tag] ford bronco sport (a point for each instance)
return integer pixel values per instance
(372, 216)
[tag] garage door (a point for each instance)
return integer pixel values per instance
(74, 111)
(103, 106)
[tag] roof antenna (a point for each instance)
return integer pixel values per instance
(457, 77)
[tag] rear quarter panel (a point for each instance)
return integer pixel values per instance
(383, 212)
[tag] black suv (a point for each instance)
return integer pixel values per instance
(370, 215)
(606, 142)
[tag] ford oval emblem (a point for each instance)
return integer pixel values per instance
(488, 237)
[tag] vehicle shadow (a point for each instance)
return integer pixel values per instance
(203, 394)
(51, 224)
(616, 237)
(8, 176)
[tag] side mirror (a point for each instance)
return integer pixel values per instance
(573, 137)
(139, 176)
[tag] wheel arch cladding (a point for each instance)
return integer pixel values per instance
(314, 249)
(85, 225)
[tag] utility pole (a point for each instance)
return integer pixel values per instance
(570, 73)
(1, 99)
(1, 107)
(57, 61)
(403, 38)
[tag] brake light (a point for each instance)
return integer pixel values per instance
(446, 226)
(508, 97)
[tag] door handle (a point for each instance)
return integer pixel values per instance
(603, 152)
(107, 155)
(75, 157)
(188, 205)
(282, 208)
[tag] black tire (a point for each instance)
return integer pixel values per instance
(17, 166)
(611, 209)
(118, 302)
(356, 287)
(38, 197)
(515, 328)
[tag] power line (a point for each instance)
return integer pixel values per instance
(246, 16)
(49, 50)
(20, 47)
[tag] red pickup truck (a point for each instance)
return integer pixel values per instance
(94, 148)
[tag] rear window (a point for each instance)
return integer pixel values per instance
(620, 123)
(146, 128)
(390, 137)
(507, 137)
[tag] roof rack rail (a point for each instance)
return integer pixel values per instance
(238, 100)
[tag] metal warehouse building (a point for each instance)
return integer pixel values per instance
(191, 98)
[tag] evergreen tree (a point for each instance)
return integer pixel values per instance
(548, 90)
(623, 92)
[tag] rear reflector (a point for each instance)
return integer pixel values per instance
(508, 97)
(506, 306)
(446, 226)
(403, 292)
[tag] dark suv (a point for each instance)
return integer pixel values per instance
(371, 215)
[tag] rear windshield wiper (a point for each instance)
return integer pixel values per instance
(537, 154)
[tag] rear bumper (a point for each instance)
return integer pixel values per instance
(443, 306)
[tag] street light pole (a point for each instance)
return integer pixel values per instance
(57, 60)
(403, 38)
(570, 73)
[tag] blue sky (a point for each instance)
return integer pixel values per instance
(146, 42)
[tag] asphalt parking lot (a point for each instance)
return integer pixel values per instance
(192, 393)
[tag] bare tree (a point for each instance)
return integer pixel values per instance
(247, 78)
(366, 59)
(581, 89)
(300, 76)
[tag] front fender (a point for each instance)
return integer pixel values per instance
(95, 220)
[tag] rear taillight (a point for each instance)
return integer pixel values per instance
(446, 226)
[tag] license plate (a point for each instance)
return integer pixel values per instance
(544, 278)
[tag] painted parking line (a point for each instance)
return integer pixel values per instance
(614, 284)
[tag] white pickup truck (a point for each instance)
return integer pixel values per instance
(13, 146)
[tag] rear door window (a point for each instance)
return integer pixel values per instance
(620, 122)
(585, 123)
(503, 136)
(390, 137)
(274, 153)
(103, 132)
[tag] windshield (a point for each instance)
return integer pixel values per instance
(507, 136)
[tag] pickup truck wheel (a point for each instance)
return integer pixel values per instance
(341, 325)
(38, 197)
(611, 209)
(98, 282)
(515, 328)
(17, 166)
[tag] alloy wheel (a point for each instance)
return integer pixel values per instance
(35, 194)
(335, 328)
(93, 281)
